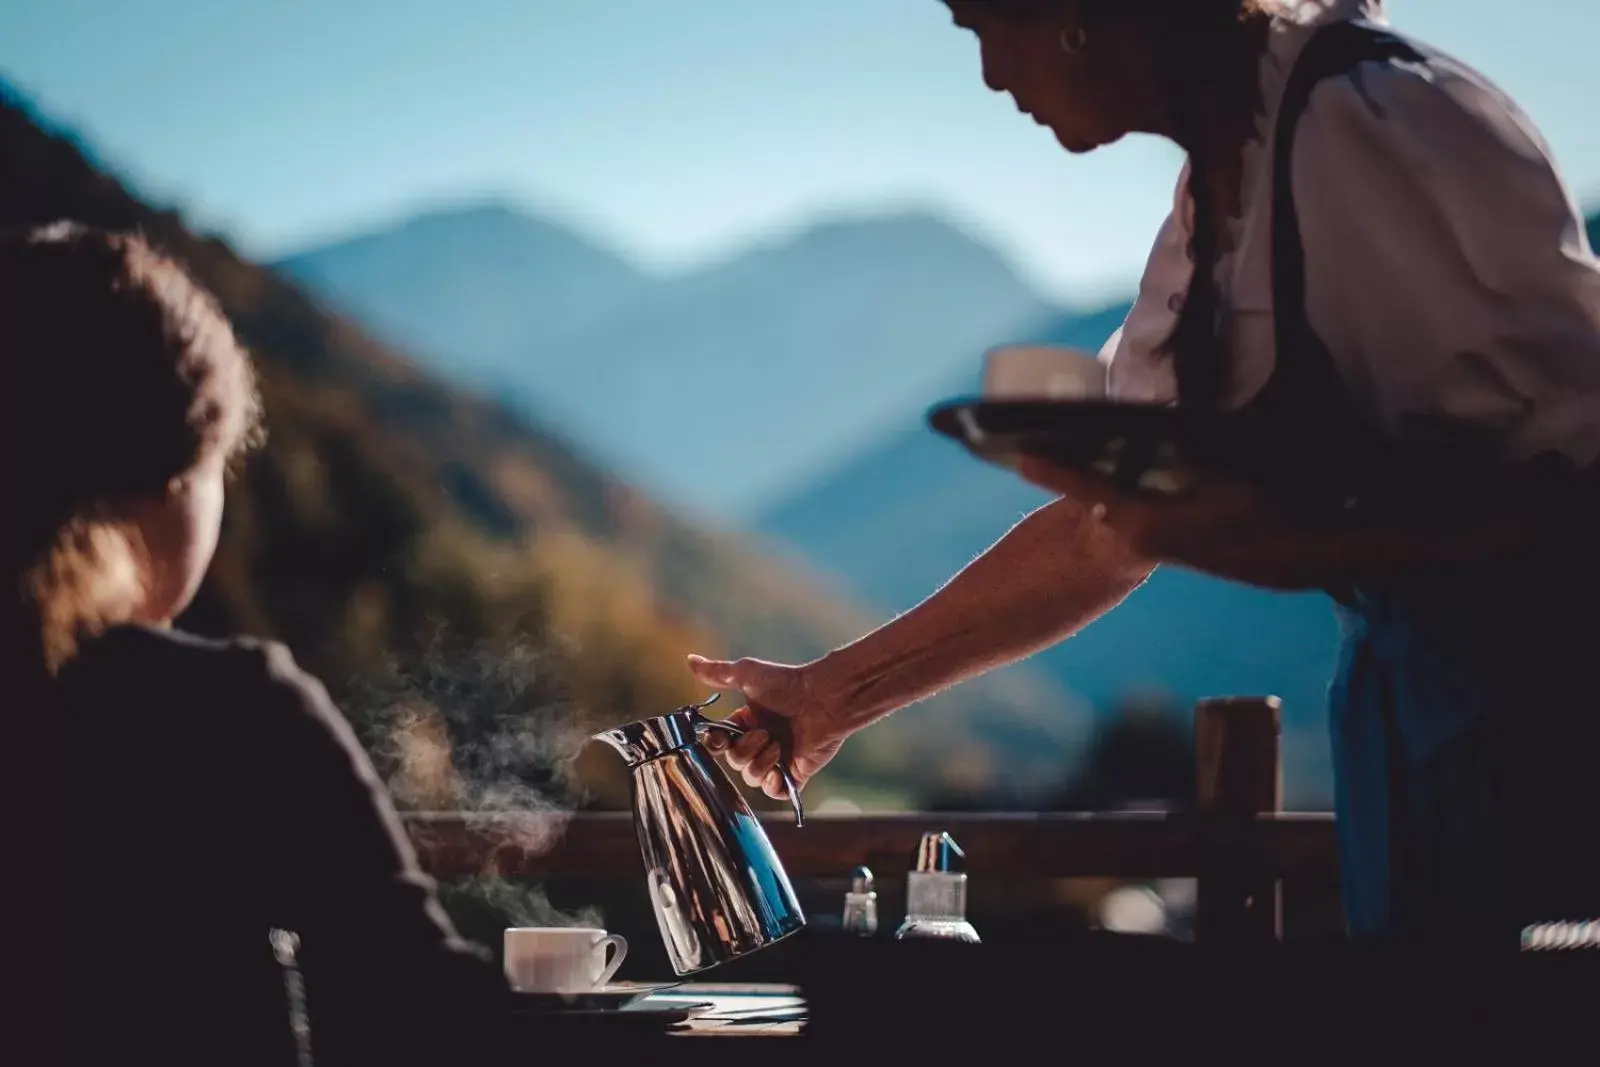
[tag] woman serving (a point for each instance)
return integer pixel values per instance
(1370, 247)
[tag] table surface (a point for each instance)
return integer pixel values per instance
(737, 1010)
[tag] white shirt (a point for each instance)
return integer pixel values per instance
(1447, 269)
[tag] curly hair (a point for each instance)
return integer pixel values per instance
(121, 374)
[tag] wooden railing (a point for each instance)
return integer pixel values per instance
(1240, 846)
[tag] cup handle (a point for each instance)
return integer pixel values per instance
(609, 970)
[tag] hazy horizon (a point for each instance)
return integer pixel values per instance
(673, 135)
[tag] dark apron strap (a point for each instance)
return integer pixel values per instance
(1304, 364)
(1306, 399)
(1306, 396)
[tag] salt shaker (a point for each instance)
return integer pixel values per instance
(861, 904)
(936, 892)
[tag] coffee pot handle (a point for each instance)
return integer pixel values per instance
(788, 779)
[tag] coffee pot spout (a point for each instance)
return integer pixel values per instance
(622, 742)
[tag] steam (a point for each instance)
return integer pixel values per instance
(517, 904)
(482, 728)
(474, 726)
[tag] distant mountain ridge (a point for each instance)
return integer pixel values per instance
(409, 284)
(724, 388)
(846, 520)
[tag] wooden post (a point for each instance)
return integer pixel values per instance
(1238, 775)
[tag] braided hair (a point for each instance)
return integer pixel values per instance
(1206, 54)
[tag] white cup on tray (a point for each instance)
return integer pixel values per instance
(1042, 372)
(562, 959)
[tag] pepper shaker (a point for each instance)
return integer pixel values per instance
(861, 904)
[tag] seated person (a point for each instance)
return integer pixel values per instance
(222, 811)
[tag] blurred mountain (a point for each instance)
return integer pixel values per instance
(721, 389)
(441, 562)
(469, 287)
(897, 521)
(916, 486)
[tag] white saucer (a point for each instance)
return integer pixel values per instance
(614, 997)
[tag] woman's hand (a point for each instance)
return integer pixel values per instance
(774, 690)
(1220, 525)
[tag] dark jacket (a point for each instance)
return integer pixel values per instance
(216, 796)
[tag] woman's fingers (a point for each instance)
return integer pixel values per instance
(756, 756)
(719, 741)
(718, 673)
(775, 694)
(764, 763)
(746, 748)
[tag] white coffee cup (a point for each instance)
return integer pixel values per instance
(561, 959)
(1042, 372)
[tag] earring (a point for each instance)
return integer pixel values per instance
(1073, 40)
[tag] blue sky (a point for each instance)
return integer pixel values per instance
(673, 130)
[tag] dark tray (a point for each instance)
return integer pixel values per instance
(1149, 448)
(1139, 446)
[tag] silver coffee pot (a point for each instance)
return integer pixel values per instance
(717, 886)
